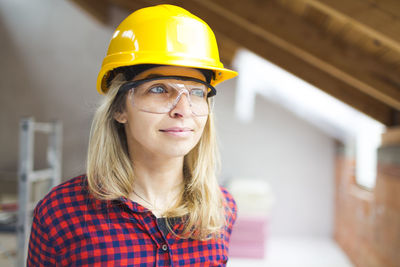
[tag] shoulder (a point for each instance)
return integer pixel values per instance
(68, 195)
(230, 201)
(229, 204)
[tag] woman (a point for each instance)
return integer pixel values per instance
(150, 196)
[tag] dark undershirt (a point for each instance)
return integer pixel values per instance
(162, 224)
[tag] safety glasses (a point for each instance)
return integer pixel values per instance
(161, 94)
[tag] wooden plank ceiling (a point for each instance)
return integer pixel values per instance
(349, 49)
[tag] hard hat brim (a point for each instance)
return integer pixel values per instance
(125, 59)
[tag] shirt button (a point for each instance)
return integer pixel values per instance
(164, 247)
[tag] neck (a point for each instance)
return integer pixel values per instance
(158, 181)
(158, 178)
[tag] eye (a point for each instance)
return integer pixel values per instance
(198, 92)
(157, 89)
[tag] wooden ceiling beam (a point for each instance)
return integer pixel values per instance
(129, 4)
(366, 17)
(96, 8)
(304, 40)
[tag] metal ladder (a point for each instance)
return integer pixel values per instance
(27, 176)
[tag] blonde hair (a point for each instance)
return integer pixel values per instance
(110, 171)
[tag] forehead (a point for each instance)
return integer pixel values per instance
(170, 71)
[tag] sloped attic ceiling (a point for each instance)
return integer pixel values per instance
(349, 49)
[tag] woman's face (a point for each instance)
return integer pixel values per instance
(172, 134)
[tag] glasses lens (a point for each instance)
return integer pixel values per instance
(162, 95)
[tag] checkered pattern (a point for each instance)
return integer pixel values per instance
(72, 228)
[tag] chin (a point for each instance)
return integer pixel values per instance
(177, 150)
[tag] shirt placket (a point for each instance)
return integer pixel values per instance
(163, 257)
(149, 222)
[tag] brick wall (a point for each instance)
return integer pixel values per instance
(367, 223)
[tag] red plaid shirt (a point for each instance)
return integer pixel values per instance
(72, 228)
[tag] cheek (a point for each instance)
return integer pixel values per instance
(201, 123)
(137, 126)
(141, 128)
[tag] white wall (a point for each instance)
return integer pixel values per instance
(50, 54)
(294, 157)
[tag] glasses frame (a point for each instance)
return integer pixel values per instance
(127, 86)
(131, 84)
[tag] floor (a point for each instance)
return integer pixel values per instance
(301, 252)
(280, 252)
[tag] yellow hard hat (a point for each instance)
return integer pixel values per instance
(164, 35)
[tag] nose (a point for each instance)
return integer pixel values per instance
(182, 108)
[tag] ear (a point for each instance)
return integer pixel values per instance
(121, 117)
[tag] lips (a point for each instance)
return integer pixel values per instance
(177, 129)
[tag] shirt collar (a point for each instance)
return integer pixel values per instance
(133, 206)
